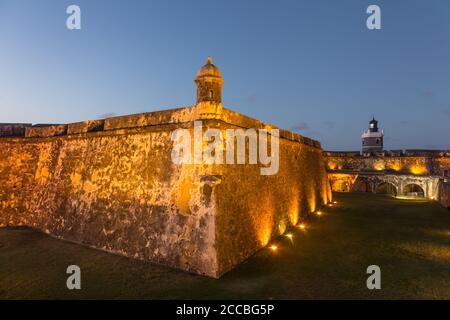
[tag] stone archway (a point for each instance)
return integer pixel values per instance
(427, 186)
(386, 187)
(341, 186)
(414, 190)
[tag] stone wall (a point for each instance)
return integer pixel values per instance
(342, 182)
(353, 172)
(13, 129)
(444, 193)
(252, 209)
(112, 185)
(404, 164)
(376, 183)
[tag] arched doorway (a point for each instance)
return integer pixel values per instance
(386, 188)
(413, 190)
(362, 185)
(340, 186)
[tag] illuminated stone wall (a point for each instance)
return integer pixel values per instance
(375, 183)
(342, 182)
(405, 164)
(112, 185)
(350, 171)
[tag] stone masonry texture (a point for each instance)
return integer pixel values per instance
(111, 184)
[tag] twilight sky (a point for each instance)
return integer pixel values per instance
(308, 66)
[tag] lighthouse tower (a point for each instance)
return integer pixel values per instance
(372, 138)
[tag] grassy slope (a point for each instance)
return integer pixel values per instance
(409, 240)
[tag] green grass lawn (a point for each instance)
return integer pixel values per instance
(408, 239)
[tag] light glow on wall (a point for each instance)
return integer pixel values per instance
(418, 169)
(332, 165)
(293, 210)
(265, 223)
(395, 165)
(311, 197)
(341, 182)
(379, 166)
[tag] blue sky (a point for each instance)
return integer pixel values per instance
(309, 66)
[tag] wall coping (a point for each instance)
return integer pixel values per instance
(129, 123)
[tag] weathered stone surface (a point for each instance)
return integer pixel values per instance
(13, 129)
(364, 182)
(342, 182)
(42, 131)
(425, 164)
(118, 190)
(252, 209)
(350, 171)
(85, 126)
(444, 193)
(151, 118)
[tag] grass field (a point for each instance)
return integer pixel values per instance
(408, 239)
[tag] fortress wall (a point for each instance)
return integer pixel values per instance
(85, 126)
(119, 191)
(441, 164)
(46, 131)
(349, 172)
(419, 165)
(13, 129)
(179, 115)
(252, 209)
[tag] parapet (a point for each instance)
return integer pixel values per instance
(150, 118)
(46, 130)
(429, 153)
(393, 153)
(342, 153)
(85, 126)
(165, 117)
(13, 129)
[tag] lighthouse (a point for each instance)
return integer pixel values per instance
(372, 138)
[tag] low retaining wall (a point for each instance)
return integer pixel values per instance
(112, 185)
